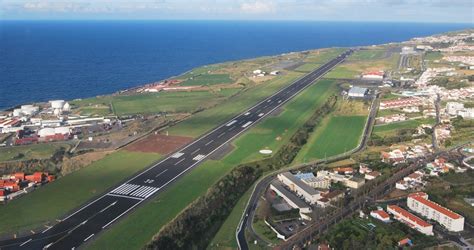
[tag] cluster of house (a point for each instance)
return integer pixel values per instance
(463, 59)
(412, 181)
(420, 204)
(458, 38)
(303, 190)
(400, 154)
(52, 122)
(391, 118)
(17, 184)
(454, 109)
(261, 73)
(401, 103)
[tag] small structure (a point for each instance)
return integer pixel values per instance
(373, 75)
(372, 175)
(357, 92)
(380, 214)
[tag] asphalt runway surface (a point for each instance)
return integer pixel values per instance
(89, 220)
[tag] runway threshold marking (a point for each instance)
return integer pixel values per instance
(125, 196)
(199, 157)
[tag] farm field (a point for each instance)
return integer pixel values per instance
(335, 135)
(52, 201)
(147, 220)
(34, 151)
(207, 79)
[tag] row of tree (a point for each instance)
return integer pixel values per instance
(195, 227)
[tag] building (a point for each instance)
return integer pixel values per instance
(373, 75)
(333, 195)
(380, 214)
(452, 108)
(314, 182)
(357, 92)
(401, 103)
(291, 199)
(410, 219)
(297, 186)
(372, 175)
(354, 182)
(419, 203)
(346, 170)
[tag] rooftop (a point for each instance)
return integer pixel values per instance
(289, 195)
(435, 206)
(301, 184)
(410, 216)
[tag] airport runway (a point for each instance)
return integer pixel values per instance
(89, 220)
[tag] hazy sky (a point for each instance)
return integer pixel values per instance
(357, 10)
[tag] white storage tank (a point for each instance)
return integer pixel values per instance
(57, 104)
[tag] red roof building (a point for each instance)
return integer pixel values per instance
(19, 176)
(380, 215)
(410, 219)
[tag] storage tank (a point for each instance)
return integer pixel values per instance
(66, 107)
(57, 104)
(17, 112)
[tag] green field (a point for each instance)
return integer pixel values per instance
(308, 67)
(147, 220)
(150, 103)
(342, 72)
(363, 55)
(335, 135)
(323, 56)
(52, 201)
(34, 151)
(392, 128)
(206, 120)
(207, 79)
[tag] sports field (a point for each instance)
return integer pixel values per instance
(52, 201)
(336, 135)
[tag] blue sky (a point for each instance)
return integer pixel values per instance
(460, 11)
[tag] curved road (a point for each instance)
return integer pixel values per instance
(88, 221)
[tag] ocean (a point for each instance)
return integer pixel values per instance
(43, 60)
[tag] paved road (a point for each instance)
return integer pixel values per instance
(92, 218)
(249, 212)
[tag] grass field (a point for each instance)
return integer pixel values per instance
(34, 151)
(391, 129)
(335, 135)
(204, 121)
(342, 72)
(308, 67)
(52, 201)
(171, 102)
(323, 56)
(362, 55)
(207, 79)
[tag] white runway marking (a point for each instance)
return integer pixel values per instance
(107, 207)
(177, 155)
(248, 113)
(199, 157)
(195, 151)
(261, 114)
(230, 123)
(22, 244)
(179, 161)
(90, 236)
(162, 172)
(209, 142)
(219, 136)
(125, 189)
(144, 191)
(246, 124)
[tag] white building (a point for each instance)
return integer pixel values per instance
(357, 92)
(452, 108)
(314, 182)
(419, 203)
(297, 186)
(374, 75)
(380, 215)
(410, 219)
(291, 199)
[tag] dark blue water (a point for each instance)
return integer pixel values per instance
(42, 60)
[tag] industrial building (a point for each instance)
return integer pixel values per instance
(357, 92)
(419, 203)
(410, 219)
(314, 182)
(291, 199)
(302, 189)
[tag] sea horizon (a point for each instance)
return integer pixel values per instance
(69, 59)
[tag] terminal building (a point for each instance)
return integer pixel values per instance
(419, 203)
